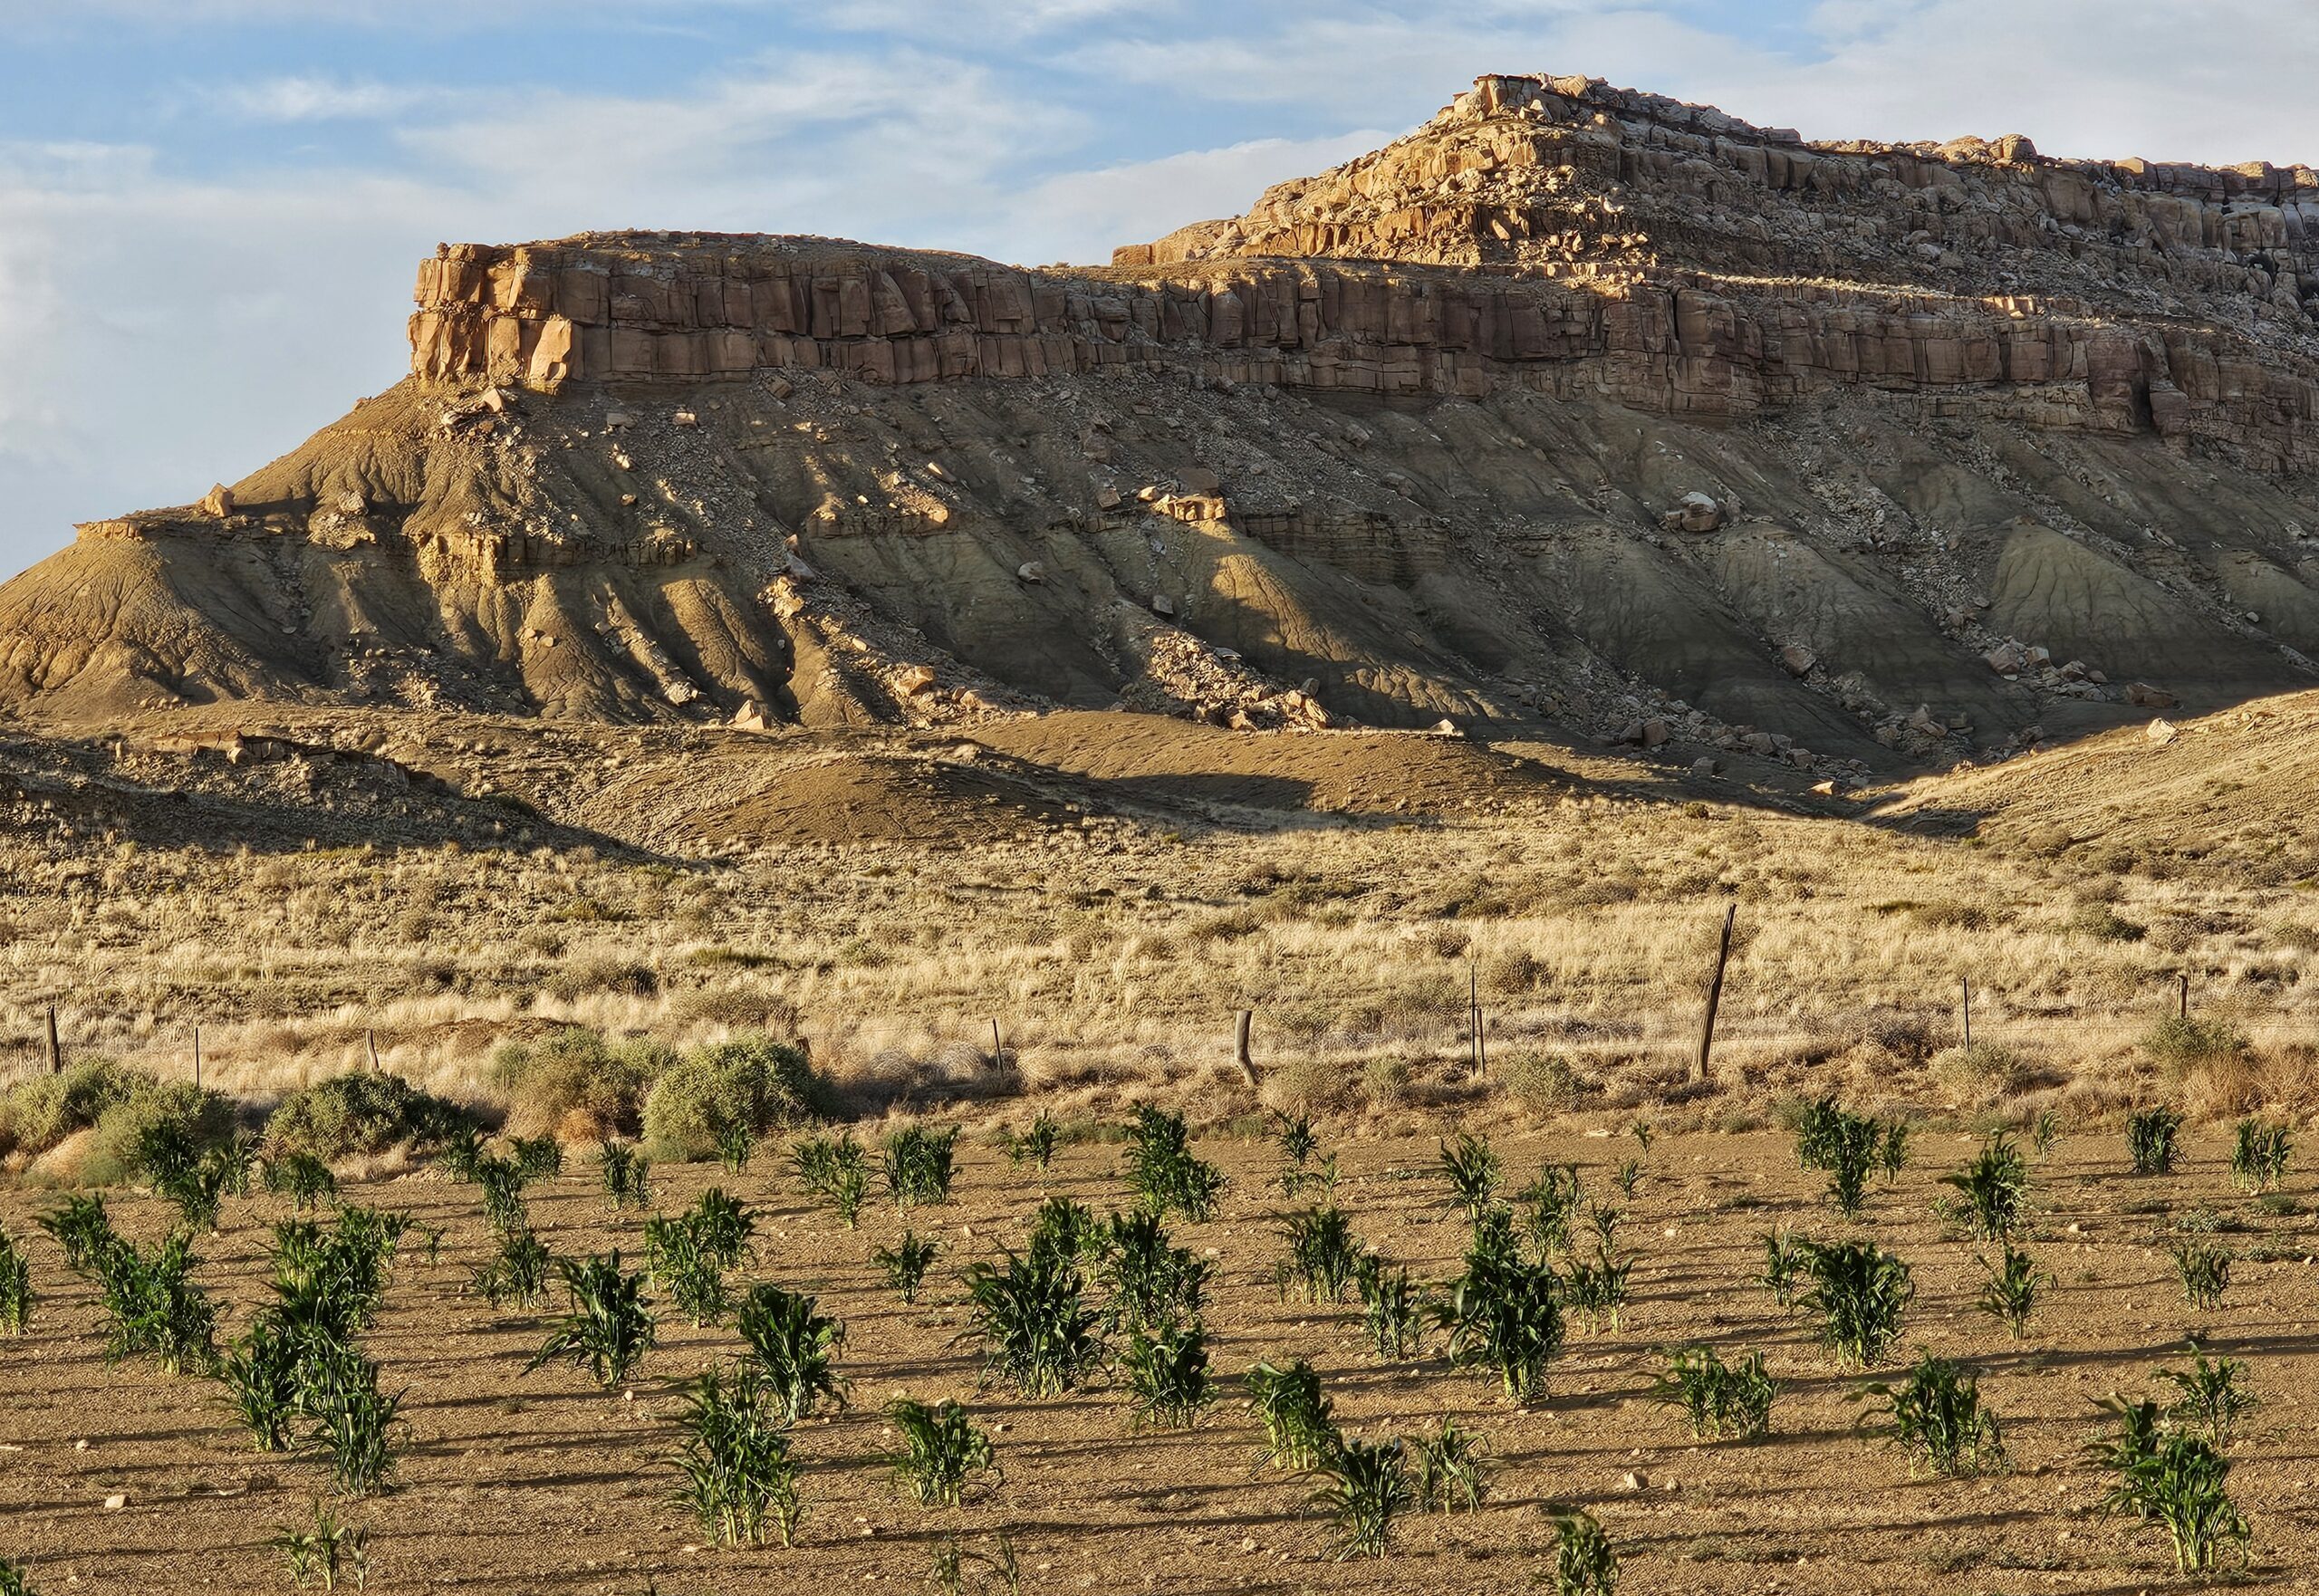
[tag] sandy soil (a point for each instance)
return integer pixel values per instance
(541, 1482)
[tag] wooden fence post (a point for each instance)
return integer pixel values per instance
(370, 1041)
(56, 1052)
(1714, 997)
(1473, 1015)
(1965, 983)
(196, 1058)
(998, 1046)
(2185, 1010)
(1241, 1021)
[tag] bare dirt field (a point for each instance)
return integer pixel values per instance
(510, 1481)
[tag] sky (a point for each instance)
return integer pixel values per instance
(211, 211)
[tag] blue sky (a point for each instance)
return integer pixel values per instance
(210, 210)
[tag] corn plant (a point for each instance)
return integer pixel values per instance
(353, 1419)
(1392, 1308)
(2258, 1158)
(1167, 1376)
(1720, 1400)
(2046, 1133)
(2204, 1269)
(795, 1347)
(627, 1175)
(1936, 1414)
(959, 1569)
(723, 1225)
(1148, 1281)
(196, 1187)
(943, 1451)
(1365, 1486)
(737, 1474)
(155, 1307)
(1470, 1168)
(517, 1277)
(537, 1158)
(2176, 1480)
(905, 1263)
(1296, 1417)
(1545, 1207)
(1599, 1290)
(1787, 1262)
(1451, 1472)
(460, 1150)
(1892, 1151)
(16, 1580)
(2212, 1402)
(1294, 1135)
(1323, 1255)
(1065, 1231)
(1321, 1177)
(1628, 1178)
(263, 1376)
(316, 1556)
(609, 1327)
(836, 1171)
(1603, 1221)
(1036, 1143)
(2010, 1294)
(302, 1177)
(85, 1231)
(15, 1286)
(1585, 1563)
(736, 1143)
(917, 1164)
(1039, 1332)
(1162, 1171)
(1992, 1189)
(1502, 1312)
(336, 1277)
(1860, 1292)
(685, 1269)
(2150, 1140)
(1848, 1148)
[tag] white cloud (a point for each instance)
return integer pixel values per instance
(313, 99)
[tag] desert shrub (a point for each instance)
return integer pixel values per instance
(1365, 1486)
(1542, 1082)
(1385, 1081)
(618, 977)
(2181, 1043)
(942, 1451)
(1936, 1414)
(1983, 1070)
(2150, 1140)
(1515, 974)
(358, 1114)
(37, 1114)
(575, 1084)
(1717, 1398)
(2105, 924)
(752, 1081)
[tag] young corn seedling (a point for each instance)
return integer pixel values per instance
(737, 1474)
(943, 1452)
(1603, 1220)
(15, 1286)
(627, 1175)
(1599, 1290)
(315, 1557)
(1848, 1148)
(1035, 1144)
(1288, 1403)
(723, 1225)
(156, 1309)
(2212, 1402)
(458, 1152)
(1470, 1168)
(1585, 1563)
(685, 1269)
(2150, 1140)
(1321, 1177)
(1149, 1282)
(16, 1580)
(2046, 1133)
(500, 1183)
(2204, 1269)
(1720, 1400)
(917, 1164)
(2258, 1159)
(1039, 1333)
(1892, 1151)
(609, 1327)
(905, 1263)
(263, 1374)
(959, 1570)
(537, 1158)
(836, 1171)
(1162, 1171)
(302, 1177)
(1546, 1206)
(1323, 1255)
(736, 1143)
(2176, 1480)
(795, 1347)
(1859, 1291)
(1392, 1308)
(1167, 1376)
(1629, 1177)
(517, 1277)
(1993, 1190)
(1294, 1135)
(2010, 1294)
(1787, 1262)
(1365, 1486)
(85, 1231)
(1936, 1414)
(1451, 1472)
(1502, 1314)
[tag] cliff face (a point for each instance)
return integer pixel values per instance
(1575, 403)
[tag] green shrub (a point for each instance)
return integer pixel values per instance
(2179, 1043)
(1392, 1308)
(754, 1082)
(1585, 1563)
(37, 1114)
(1151, 1282)
(609, 1327)
(1542, 1082)
(2204, 1269)
(1324, 1254)
(359, 1114)
(1470, 1168)
(2010, 1294)
(1164, 1173)
(574, 1084)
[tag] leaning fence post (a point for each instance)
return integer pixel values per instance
(1714, 995)
(1241, 1021)
(998, 1046)
(370, 1041)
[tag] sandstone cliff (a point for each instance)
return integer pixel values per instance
(1577, 403)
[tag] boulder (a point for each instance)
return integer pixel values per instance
(218, 503)
(2142, 696)
(1797, 660)
(1031, 571)
(2160, 732)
